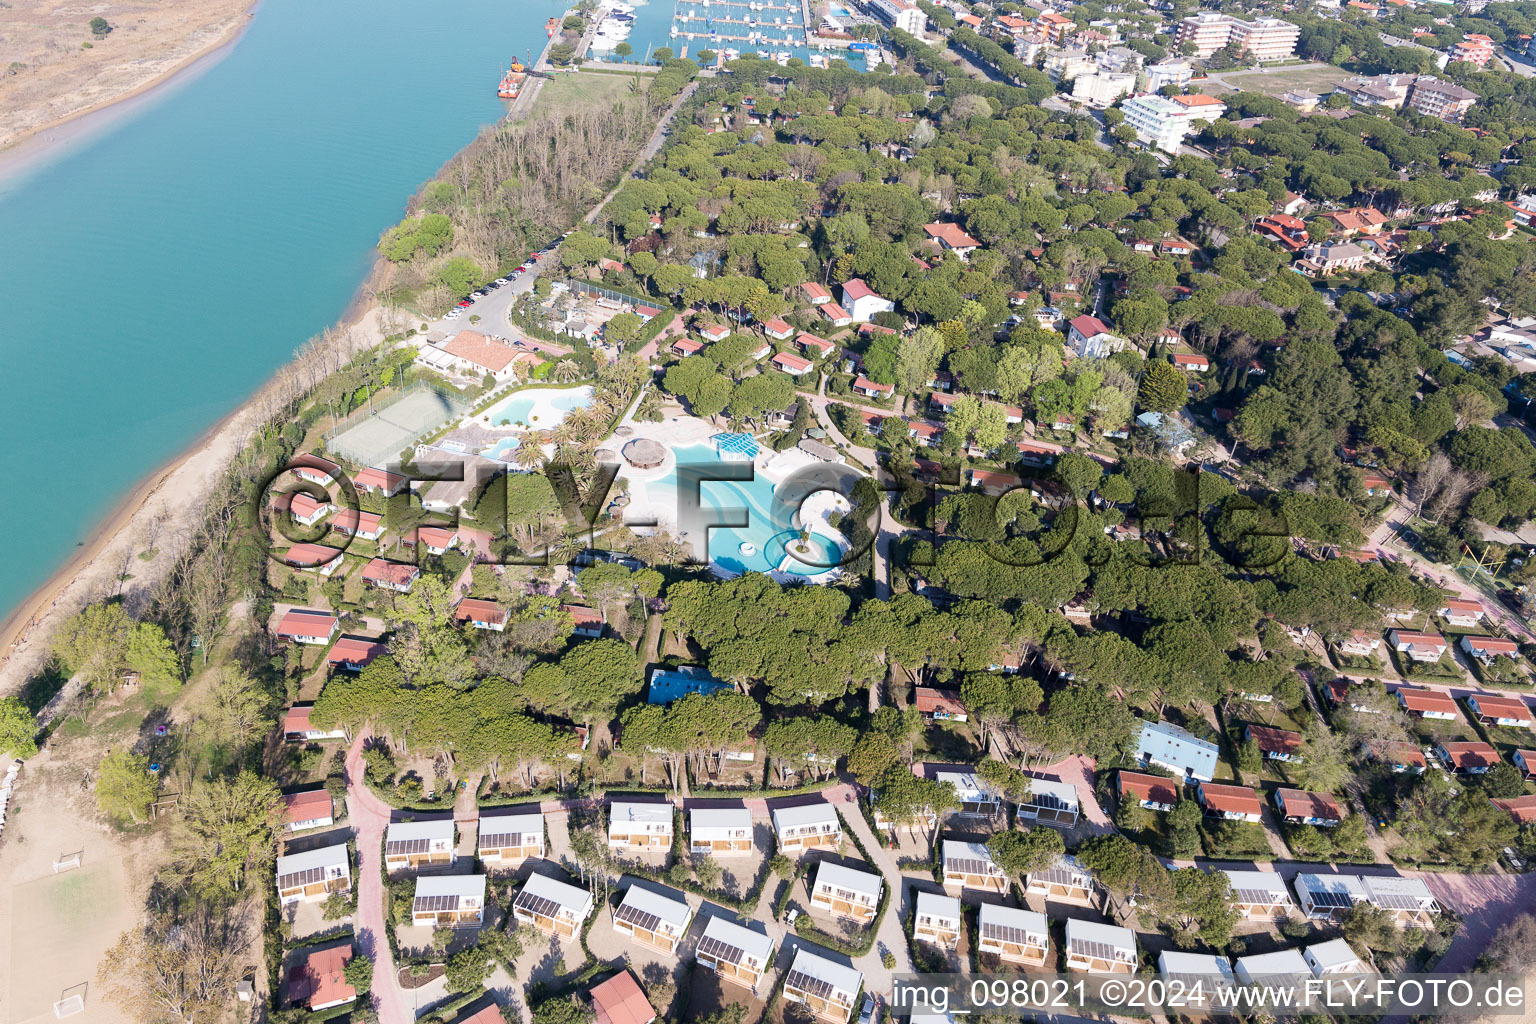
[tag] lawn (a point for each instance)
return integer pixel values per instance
(567, 93)
(1274, 81)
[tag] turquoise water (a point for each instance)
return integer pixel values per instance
(549, 404)
(152, 278)
(652, 28)
(770, 520)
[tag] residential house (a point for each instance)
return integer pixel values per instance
(684, 346)
(1091, 338)
(1150, 791)
(1525, 760)
(845, 891)
(585, 622)
(414, 844)
(379, 481)
(1195, 968)
(638, 825)
(1329, 897)
(508, 837)
(810, 343)
(1290, 232)
(720, 831)
(738, 955)
(1469, 758)
(314, 874)
(976, 796)
(383, 574)
(970, 866)
(481, 614)
(1485, 649)
(298, 728)
(319, 558)
(307, 810)
(354, 522)
(1521, 808)
(655, 919)
(1234, 803)
(1100, 948)
(1014, 936)
(1426, 703)
(1194, 362)
(861, 301)
(1407, 900)
(438, 540)
(951, 238)
(1275, 744)
(1405, 757)
(1168, 746)
(1461, 614)
(1065, 881)
(823, 986)
(319, 980)
(1260, 895)
(304, 626)
(937, 920)
(807, 826)
(1358, 220)
(620, 1000)
(473, 354)
(1424, 647)
(1281, 967)
(1303, 808)
(1358, 643)
(553, 907)
(448, 900)
(815, 294)
(1328, 258)
(1332, 957)
(791, 364)
(871, 389)
(714, 332)
(778, 330)
(940, 705)
(315, 469)
(354, 653)
(1049, 802)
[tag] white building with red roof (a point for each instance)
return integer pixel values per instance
(314, 557)
(872, 389)
(353, 653)
(379, 481)
(778, 330)
(837, 315)
(481, 614)
(1462, 614)
(1091, 338)
(952, 238)
(791, 364)
(813, 345)
(305, 508)
(475, 354)
(355, 522)
(815, 294)
(297, 727)
(305, 626)
(861, 301)
(437, 539)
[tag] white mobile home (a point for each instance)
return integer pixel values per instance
(637, 825)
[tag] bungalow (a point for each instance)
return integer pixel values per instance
(1525, 760)
(1470, 757)
(952, 238)
(319, 980)
(1271, 967)
(619, 1000)
(314, 874)
(862, 302)
(413, 844)
(1091, 338)
(1065, 881)
(585, 622)
(1461, 614)
(354, 653)
(687, 347)
(1194, 968)
(791, 364)
(1260, 895)
(451, 900)
(808, 343)
(778, 330)
(297, 727)
(1407, 900)
(1038, 453)
(1405, 757)
(304, 626)
(937, 920)
(1487, 648)
(1376, 484)
(714, 332)
(354, 522)
(667, 685)
(653, 918)
(315, 469)
(1426, 704)
(1358, 643)
(1234, 803)
(1014, 936)
(438, 540)
(976, 797)
(807, 826)
(991, 481)
(1332, 957)
(1168, 746)
(1275, 744)
(1302, 808)
(508, 837)
(940, 402)
(970, 866)
(761, 351)
(737, 954)
(815, 294)
(637, 825)
(926, 434)
(783, 419)
(871, 389)
(1176, 246)
(824, 987)
(386, 575)
(1049, 802)
(720, 831)
(845, 891)
(1521, 808)
(379, 481)
(1195, 362)
(1329, 897)
(553, 907)
(1100, 948)
(307, 810)
(481, 614)
(319, 557)
(1425, 647)
(836, 315)
(1151, 791)
(940, 705)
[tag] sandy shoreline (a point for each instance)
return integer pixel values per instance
(45, 142)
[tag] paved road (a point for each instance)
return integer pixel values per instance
(370, 817)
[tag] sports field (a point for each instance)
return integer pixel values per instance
(61, 925)
(1275, 81)
(377, 439)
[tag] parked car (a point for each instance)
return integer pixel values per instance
(867, 1013)
(465, 302)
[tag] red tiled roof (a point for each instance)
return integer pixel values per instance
(309, 806)
(1427, 639)
(318, 979)
(855, 288)
(310, 556)
(619, 1000)
(319, 465)
(1190, 359)
(296, 718)
(1498, 646)
(792, 362)
(1474, 754)
(303, 506)
(814, 291)
(1149, 787)
(832, 311)
(396, 573)
(1271, 740)
(1501, 707)
(582, 615)
(1198, 100)
(380, 478)
(804, 339)
(436, 536)
(951, 235)
(1407, 753)
(1088, 326)
(357, 521)
(1521, 808)
(868, 385)
(778, 326)
(1236, 799)
(355, 650)
(930, 700)
(1425, 700)
(484, 352)
(1301, 804)
(1456, 606)
(474, 609)
(687, 346)
(302, 622)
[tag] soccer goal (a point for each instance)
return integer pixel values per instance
(66, 862)
(69, 1005)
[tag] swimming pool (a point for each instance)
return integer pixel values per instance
(758, 546)
(538, 407)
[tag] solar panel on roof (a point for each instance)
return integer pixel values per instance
(1058, 876)
(501, 839)
(1097, 950)
(1005, 933)
(969, 866)
(805, 983)
(407, 846)
(632, 915)
(1258, 896)
(1394, 901)
(435, 904)
(309, 876)
(722, 951)
(539, 906)
(1332, 899)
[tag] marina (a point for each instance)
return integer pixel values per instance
(774, 30)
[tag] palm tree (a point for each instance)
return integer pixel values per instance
(566, 370)
(527, 455)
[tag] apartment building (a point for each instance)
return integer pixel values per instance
(900, 15)
(1262, 39)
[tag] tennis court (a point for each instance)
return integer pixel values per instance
(377, 438)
